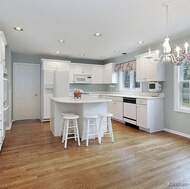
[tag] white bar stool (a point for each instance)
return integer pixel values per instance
(91, 127)
(106, 119)
(63, 124)
(71, 127)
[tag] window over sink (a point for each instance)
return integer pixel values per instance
(128, 83)
(127, 77)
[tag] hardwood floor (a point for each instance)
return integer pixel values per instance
(32, 158)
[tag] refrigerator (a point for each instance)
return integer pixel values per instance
(54, 84)
(61, 84)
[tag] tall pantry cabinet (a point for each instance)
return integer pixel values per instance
(54, 83)
(4, 104)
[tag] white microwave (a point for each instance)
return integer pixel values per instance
(83, 78)
(154, 87)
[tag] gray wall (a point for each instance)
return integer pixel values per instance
(173, 120)
(37, 59)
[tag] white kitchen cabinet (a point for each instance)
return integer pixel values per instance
(2, 48)
(54, 82)
(118, 114)
(61, 84)
(71, 73)
(46, 115)
(97, 74)
(148, 69)
(61, 65)
(115, 107)
(83, 69)
(150, 116)
(110, 76)
(48, 77)
(4, 105)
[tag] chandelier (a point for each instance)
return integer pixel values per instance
(176, 55)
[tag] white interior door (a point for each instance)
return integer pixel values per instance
(26, 80)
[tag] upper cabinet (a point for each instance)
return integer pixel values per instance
(148, 69)
(71, 73)
(110, 76)
(79, 69)
(83, 69)
(101, 74)
(2, 48)
(97, 74)
(60, 65)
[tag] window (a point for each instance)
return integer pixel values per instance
(182, 88)
(128, 81)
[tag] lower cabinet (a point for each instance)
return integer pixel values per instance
(115, 107)
(47, 107)
(150, 114)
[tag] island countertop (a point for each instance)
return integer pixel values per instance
(72, 100)
(79, 106)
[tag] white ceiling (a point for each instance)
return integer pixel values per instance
(121, 22)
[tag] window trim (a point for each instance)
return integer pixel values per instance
(123, 89)
(177, 107)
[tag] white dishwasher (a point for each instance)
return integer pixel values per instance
(130, 110)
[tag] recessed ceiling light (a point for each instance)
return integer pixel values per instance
(97, 34)
(18, 28)
(61, 41)
(57, 52)
(81, 54)
(117, 51)
(140, 42)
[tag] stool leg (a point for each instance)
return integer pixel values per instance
(93, 128)
(63, 131)
(77, 130)
(110, 129)
(83, 129)
(87, 132)
(97, 130)
(66, 132)
(100, 130)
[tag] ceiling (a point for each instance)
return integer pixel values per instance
(122, 24)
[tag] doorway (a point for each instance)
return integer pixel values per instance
(26, 91)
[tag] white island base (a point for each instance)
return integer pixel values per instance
(78, 106)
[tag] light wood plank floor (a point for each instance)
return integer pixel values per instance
(32, 158)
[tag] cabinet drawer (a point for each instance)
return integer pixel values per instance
(141, 101)
(116, 98)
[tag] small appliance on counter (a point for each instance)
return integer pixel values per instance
(154, 87)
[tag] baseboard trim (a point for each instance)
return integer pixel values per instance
(177, 133)
(9, 128)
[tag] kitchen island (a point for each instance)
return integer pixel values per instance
(79, 106)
